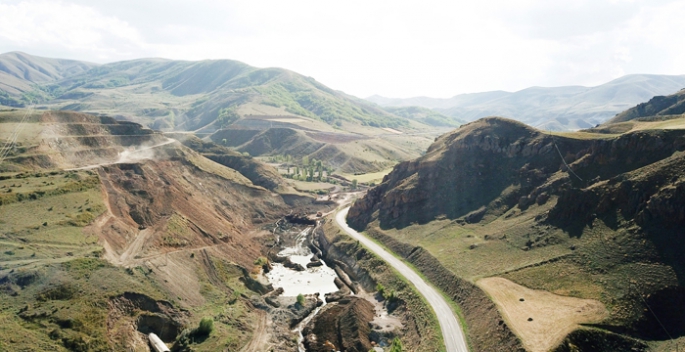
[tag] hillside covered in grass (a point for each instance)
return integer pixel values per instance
(183, 95)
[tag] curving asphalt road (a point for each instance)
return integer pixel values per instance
(451, 330)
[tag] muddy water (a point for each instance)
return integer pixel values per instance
(312, 280)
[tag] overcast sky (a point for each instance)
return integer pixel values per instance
(392, 48)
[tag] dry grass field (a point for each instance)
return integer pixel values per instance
(541, 319)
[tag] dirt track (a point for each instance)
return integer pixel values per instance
(451, 330)
(553, 317)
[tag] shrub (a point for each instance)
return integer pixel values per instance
(300, 299)
(396, 345)
(206, 326)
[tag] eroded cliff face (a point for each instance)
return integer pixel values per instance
(493, 164)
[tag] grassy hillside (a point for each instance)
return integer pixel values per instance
(187, 95)
(500, 208)
(424, 115)
(27, 79)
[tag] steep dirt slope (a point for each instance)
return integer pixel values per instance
(496, 198)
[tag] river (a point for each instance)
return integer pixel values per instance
(313, 280)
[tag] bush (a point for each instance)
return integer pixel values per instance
(206, 326)
(300, 299)
(396, 345)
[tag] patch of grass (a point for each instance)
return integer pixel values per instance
(178, 232)
(376, 177)
(83, 267)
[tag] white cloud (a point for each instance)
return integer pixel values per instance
(79, 29)
(400, 48)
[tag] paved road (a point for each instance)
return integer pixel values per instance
(449, 325)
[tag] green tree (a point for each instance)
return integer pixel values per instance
(223, 141)
(172, 118)
(227, 116)
(305, 160)
(300, 299)
(319, 167)
(354, 183)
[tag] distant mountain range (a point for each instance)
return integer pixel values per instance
(558, 108)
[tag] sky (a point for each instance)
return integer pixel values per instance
(391, 48)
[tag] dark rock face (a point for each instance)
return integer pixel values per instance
(345, 325)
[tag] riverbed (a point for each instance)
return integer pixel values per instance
(318, 279)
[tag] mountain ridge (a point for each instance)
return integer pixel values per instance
(554, 108)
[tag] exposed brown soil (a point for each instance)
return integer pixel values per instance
(190, 226)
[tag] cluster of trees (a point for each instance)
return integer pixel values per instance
(307, 170)
(227, 116)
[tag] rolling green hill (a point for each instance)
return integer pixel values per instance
(425, 115)
(24, 78)
(182, 95)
